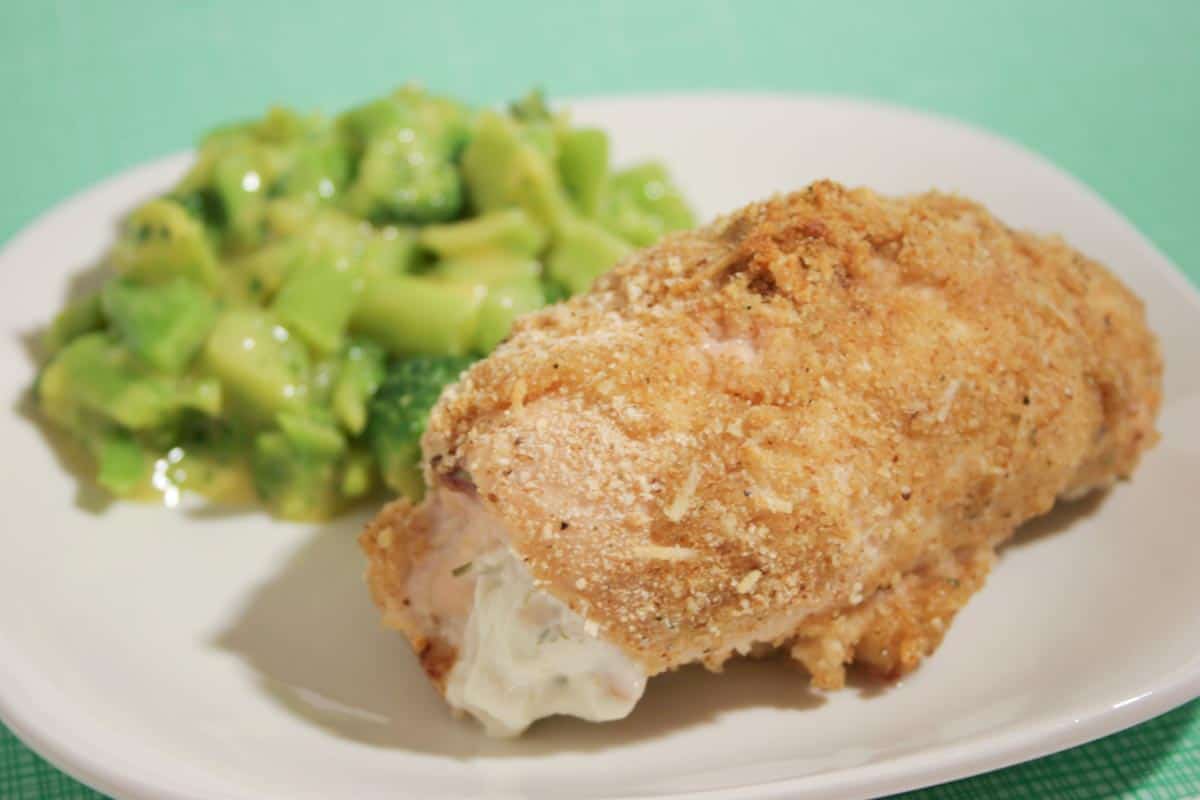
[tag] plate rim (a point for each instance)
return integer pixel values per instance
(22, 715)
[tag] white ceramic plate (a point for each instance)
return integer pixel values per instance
(160, 655)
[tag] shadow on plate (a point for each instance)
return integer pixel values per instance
(316, 643)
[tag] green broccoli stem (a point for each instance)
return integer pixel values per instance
(411, 315)
(509, 231)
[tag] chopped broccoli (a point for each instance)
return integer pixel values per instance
(406, 145)
(416, 315)
(583, 167)
(115, 405)
(358, 473)
(317, 298)
(281, 125)
(293, 482)
(95, 376)
(160, 241)
(282, 320)
(500, 309)
(262, 368)
(399, 412)
(319, 170)
(643, 205)
(358, 379)
(409, 112)
(403, 180)
(239, 166)
(79, 317)
(313, 433)
(164, 324)
(509, 231)
(503, 166)
(121, 462)
(531, 108)
(583, 251)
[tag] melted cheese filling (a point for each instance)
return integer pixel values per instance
(525, 655)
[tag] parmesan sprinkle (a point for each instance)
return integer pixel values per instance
(948, 400)
(654, 552)
(683, 501)
(748, 582)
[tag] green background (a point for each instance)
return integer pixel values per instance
(1110, 91)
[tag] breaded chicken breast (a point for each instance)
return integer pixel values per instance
(806, 426)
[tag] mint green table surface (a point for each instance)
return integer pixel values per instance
(1110, 91)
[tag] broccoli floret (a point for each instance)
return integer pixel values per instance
(160, 241)
(399, 412)
(405, 147)
(409, 112)
(531, 108)
(403, 181)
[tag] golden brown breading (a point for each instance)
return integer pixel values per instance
(808, 423)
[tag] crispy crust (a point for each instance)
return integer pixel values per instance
(893, 630)
(789, 425)
(393, 541)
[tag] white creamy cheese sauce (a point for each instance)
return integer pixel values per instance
(525, 655)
